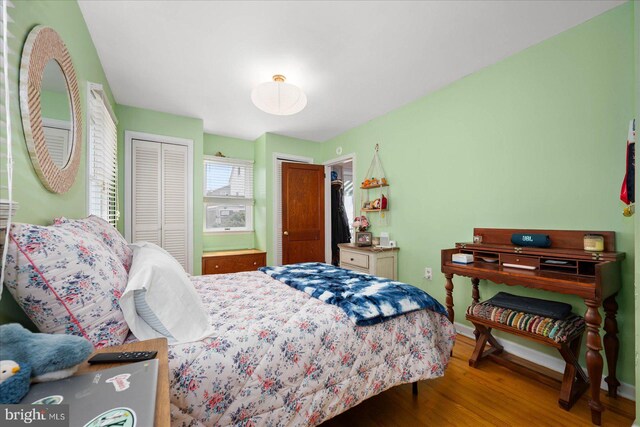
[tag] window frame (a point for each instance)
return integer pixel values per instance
(113, 217)
(248, 202)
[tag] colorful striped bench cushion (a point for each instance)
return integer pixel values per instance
(557, 330)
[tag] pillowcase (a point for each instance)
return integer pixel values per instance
(145, 312)
(172, 303)
(67, 281)
(104, 232)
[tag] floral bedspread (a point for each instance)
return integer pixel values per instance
(281, 357)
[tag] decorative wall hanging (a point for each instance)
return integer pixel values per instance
(374, 190)
(51, 109)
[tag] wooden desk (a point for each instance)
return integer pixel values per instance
(162, 414)
(592, 276)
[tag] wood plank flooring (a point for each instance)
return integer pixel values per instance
(491, 395)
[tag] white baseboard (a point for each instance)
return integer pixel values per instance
(554, 363)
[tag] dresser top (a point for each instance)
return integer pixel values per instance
(353, 247)
(230, 253)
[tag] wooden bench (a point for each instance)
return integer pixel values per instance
(574, 381)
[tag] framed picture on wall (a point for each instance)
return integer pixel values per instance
(363, 238)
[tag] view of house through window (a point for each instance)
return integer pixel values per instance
(228, 194)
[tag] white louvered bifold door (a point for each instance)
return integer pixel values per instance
(175, 203)
(57, 144)
(146, 192)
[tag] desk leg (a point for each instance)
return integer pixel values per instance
(611, 343)
(475, 294)
(449, 301)
(594, 358)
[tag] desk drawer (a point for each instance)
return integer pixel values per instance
(520, 260)
(354, 258)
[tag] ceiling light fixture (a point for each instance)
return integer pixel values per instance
(278, 97)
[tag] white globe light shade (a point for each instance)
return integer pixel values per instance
(279, 98)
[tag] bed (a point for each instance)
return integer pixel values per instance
(277, 357)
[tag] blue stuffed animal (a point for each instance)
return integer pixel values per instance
(45, 357)
(14, 381)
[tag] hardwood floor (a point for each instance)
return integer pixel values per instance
(491, 395)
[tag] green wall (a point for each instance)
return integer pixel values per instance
(55, 105)
(235, 148)
(38, 205)
(260, 194)
(534, 141)
(157, 123)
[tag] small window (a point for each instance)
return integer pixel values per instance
(102, 161)
(228, 195)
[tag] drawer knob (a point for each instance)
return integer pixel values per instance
(216, 266)
(255, 263)
(351, 259)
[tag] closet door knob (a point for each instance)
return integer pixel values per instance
(286, 233)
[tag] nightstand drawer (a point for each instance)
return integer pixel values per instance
(354, 258)
(228, 262)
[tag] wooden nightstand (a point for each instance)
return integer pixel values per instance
(163, 416)
(381, 262)
(221, 262)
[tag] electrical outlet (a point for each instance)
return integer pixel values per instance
(428, 273)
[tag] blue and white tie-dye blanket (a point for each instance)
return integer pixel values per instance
(366, 299)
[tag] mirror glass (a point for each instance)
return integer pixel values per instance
(56, 114)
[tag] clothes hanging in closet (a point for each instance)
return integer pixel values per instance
(339, 222)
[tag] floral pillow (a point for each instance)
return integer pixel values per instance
(104, 231)
(67, 282)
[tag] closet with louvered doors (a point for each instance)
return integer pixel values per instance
(160, 197)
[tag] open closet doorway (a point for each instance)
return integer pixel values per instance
(339, 205)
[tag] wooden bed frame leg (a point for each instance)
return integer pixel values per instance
(415, 388)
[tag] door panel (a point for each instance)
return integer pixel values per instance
(302, 213)
(146, 192)
(174, 202)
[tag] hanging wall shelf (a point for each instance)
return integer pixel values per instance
(374, 190)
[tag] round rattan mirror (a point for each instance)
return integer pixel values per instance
(50, 106)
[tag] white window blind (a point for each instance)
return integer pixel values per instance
(228, 194)
(102, 159)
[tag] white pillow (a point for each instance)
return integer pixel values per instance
(169, 294)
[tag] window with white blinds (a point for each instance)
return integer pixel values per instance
(102, 159)
(228, 194)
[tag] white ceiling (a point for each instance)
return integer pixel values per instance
(355, 60)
